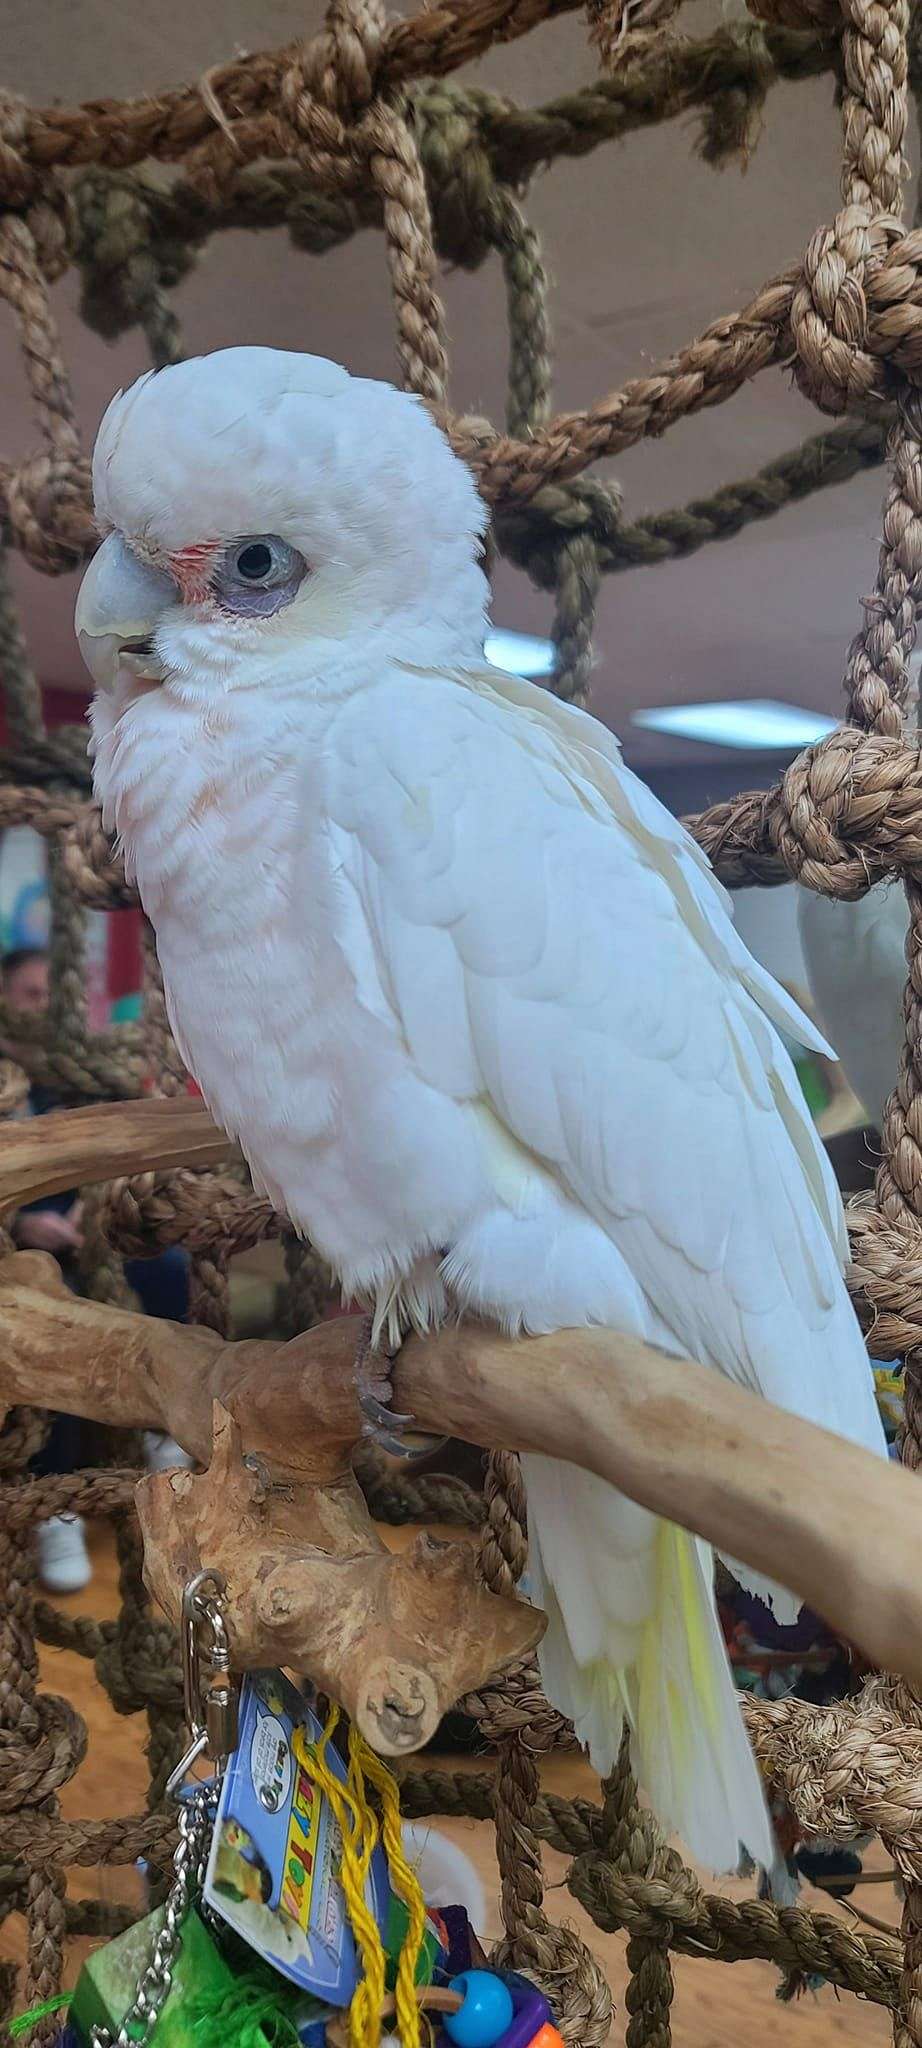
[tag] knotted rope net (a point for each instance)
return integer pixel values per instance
(364, 126)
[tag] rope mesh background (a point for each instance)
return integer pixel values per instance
(361, 127)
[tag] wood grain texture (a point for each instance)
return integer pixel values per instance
(778, 1493)
(73, 1147)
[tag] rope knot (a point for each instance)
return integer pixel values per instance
(886, 1261)
(21, 1436)
(125, 1218)
(137, 1667)
(849, 812)
(447, 122)
(842, 316)
(18, 178)
(92, 866)
(514, 1707)
(336, 72)
(567, 1972)
(33, 1766)
(47, 508)
(52, 221)
(126, 248)
(730, 118)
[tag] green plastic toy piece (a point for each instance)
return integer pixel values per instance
(108, 1982)
(394, 1938)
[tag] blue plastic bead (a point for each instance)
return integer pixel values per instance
(486, 2013)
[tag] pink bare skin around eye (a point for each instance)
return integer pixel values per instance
(192, 568)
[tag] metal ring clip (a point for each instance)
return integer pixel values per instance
(209, 1693)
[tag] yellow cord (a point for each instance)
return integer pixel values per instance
(359, 1830)
(363, 1762)
(358, 1827)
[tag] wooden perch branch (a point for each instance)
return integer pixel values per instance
(74, 1147)
(396, 1639)
(279, 1509)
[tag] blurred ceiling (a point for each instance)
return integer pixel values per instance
(645, 245)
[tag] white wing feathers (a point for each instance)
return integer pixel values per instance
(551, 941)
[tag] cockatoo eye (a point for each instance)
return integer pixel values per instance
(257, 575)
(254, 562)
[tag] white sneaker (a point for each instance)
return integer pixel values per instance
(63, 1563)
(163, 1453)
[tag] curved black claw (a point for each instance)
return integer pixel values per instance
(393, 1445)
(379, 1416)
(383, 1423)
(378, 1424)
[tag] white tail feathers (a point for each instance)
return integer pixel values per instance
(666, 1671)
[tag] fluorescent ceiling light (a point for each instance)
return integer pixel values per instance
(519, 654)
(753, 722)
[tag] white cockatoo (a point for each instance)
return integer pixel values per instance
(855, 955)
(468, 996)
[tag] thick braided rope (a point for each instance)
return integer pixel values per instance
(400, 1497)
(338, 151)
(49, 494)
(885, 1277)
(848, 1770)
(169, 126)
(124, 256)
(669, 1906)
(416, 340)
(52, 1738)
(512, 472)
(874, 122)
(632, 1848)
(530, 533)
(139, 1664)
(22, 696)
(42, 1739)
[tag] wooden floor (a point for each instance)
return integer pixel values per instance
(717, 2006)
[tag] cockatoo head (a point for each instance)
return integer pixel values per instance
(258, 504)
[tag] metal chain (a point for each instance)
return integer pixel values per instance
(195, 1822)
(211, 1712)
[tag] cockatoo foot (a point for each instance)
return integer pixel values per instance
(374, 1384)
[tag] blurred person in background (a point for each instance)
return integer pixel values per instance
(53, 1225)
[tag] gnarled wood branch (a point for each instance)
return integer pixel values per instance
(778, 1493)
(396, 1639)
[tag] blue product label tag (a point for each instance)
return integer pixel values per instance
(273, 1868)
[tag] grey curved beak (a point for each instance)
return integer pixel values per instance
(119, 604)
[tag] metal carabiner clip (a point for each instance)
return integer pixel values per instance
(209, 1693)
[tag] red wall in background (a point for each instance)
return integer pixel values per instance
(124, 954)
(64, 707)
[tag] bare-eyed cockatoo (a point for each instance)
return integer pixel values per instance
(470, 999)
(855, 955)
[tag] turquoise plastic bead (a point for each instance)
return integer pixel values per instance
(486, 2013)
